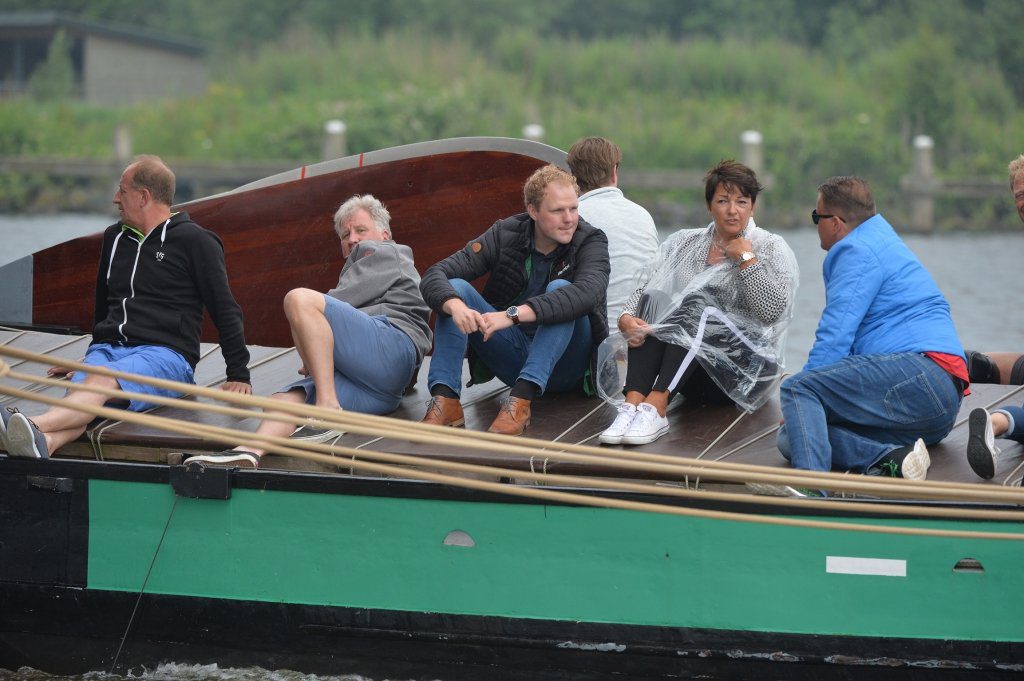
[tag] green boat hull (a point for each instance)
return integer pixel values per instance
(454, 573)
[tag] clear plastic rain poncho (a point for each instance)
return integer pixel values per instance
(733, 322)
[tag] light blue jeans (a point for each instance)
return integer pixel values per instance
(848, 415)
(556, 358)
(155, 361)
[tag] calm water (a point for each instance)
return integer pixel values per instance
(979, 273)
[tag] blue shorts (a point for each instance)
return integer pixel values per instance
(373, 360)
(154, 361)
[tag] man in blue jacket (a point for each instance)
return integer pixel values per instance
(541, 313)
(886, 373)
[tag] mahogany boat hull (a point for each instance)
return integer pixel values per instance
(278, 232)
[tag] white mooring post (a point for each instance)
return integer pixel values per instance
(923, 185)
(533, 132)
(334, 140)
(122, 143)
(753, 151)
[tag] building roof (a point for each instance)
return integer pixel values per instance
(56, 20)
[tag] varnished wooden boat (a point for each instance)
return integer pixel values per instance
(111, 558)
(278, 234)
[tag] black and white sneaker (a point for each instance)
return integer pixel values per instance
(230, 458)
(24, 439)
(981, 444)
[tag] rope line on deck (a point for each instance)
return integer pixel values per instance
(675, 467)
(328, 455)
(283, 445)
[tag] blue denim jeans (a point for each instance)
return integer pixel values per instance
(848, 415)
(556, 358)
(1016, 417)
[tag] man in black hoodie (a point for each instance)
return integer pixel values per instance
(157, 272)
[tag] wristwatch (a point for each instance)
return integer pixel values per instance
(747, 256)
(513, 314)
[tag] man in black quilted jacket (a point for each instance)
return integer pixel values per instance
(541, 314)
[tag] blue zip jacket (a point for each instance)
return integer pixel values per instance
(879, 299)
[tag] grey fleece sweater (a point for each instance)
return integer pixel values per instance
(380, 278)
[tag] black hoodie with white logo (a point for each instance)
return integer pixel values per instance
(152, 291)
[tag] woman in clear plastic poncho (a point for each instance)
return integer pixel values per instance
(708, 319)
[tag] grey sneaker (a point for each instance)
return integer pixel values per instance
(981, 444)
(315, 434)
(647, 426)
(5, 416)
(612, 435)
(230, 458)
(24, 439)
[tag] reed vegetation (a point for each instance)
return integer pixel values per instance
(669, 103)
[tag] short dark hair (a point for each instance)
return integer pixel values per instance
(849, 197)
(150, 172)
(592, 160)
(732, 174)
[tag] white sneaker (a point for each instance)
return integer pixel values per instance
(981, 444)
(612, 435)
(915, 465)
(647, 426)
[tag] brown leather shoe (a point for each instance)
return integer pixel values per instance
(444, 411)
(513, 417)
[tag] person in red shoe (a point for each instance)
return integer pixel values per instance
(541, 314)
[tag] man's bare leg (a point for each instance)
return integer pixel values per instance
(61, 425)
(314, 341)
(273, 428)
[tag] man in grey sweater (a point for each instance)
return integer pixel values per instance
(362, 341)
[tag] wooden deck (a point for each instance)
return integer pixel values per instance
(717, 433)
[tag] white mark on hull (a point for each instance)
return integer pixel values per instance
(879, 567)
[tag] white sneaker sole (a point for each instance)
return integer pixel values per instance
(21, 439)
(917, 463)
(644, 439)
(609, 439)
(237, 461)
(981, 450)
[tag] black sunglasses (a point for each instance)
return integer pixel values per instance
(815, 216)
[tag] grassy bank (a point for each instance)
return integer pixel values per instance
(669, 104)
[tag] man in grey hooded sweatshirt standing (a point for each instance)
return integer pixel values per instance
(362, 341)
